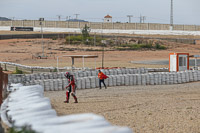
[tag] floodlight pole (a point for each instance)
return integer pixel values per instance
(171, 16)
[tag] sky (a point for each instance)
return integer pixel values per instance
(155, 11)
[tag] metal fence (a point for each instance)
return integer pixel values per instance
(3, 84)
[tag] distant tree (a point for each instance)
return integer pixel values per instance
(85, 32)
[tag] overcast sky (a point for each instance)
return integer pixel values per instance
(156, 11)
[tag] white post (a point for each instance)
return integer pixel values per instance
(83, 62)
(95, 63)
(195, 66)
(57, 64)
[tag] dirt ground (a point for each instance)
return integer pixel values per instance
(145, 109)
(23, 51)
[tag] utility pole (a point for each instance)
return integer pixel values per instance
(129, 16)
(59, 17)
(41, 20)
(171, 16)
(69, 17)
(142, 18)
(76, 16)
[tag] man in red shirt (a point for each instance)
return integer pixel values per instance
(71, 88)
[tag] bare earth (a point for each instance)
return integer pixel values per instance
(22, 50)
(145, 109)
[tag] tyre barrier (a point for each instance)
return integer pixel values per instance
(26, 105)
(159, 78)
(31, 69)
(23, 78)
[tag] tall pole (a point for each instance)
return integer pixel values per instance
(42, 41)
(171, 15)
(76, 15)
(59, 17)
(129, 16)
(103, 57)
(41, 23)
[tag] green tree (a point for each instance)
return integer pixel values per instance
(85, 32)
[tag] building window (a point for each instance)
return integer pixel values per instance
(182, 61)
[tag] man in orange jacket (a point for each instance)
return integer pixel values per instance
(101, 77)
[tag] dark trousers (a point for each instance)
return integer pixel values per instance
(101, 81)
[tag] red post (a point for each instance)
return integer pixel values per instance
(1, 85)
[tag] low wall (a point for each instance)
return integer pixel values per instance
(98, 25)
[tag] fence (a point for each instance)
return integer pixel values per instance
(99, 25)
(3, 84)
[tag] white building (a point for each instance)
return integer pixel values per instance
(108, 19)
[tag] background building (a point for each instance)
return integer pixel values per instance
(108, 19)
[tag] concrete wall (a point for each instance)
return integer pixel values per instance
(98, 25)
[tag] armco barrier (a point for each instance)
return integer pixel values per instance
(33, 109)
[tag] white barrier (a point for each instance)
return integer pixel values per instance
(27, 106)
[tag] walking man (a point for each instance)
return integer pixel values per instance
(71, 88)
(101, 77)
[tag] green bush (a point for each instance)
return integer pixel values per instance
(77, 40)
(55, 70)
(158, 46)
(74, 39)
(25, 129)
(17, 71)
(148, 46)
(139, 46)
(54, 38)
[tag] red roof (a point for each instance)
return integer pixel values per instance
(108, 16)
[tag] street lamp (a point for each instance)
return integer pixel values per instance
(41, 20)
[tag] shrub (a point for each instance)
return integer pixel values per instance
(55, 70)
(25, 129)
(158, 46)
(54, 38)
(74, 39)
(17, 71)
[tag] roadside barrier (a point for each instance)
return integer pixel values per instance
(125, 77)
(26, 105)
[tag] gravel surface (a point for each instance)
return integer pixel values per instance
(145, 109)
